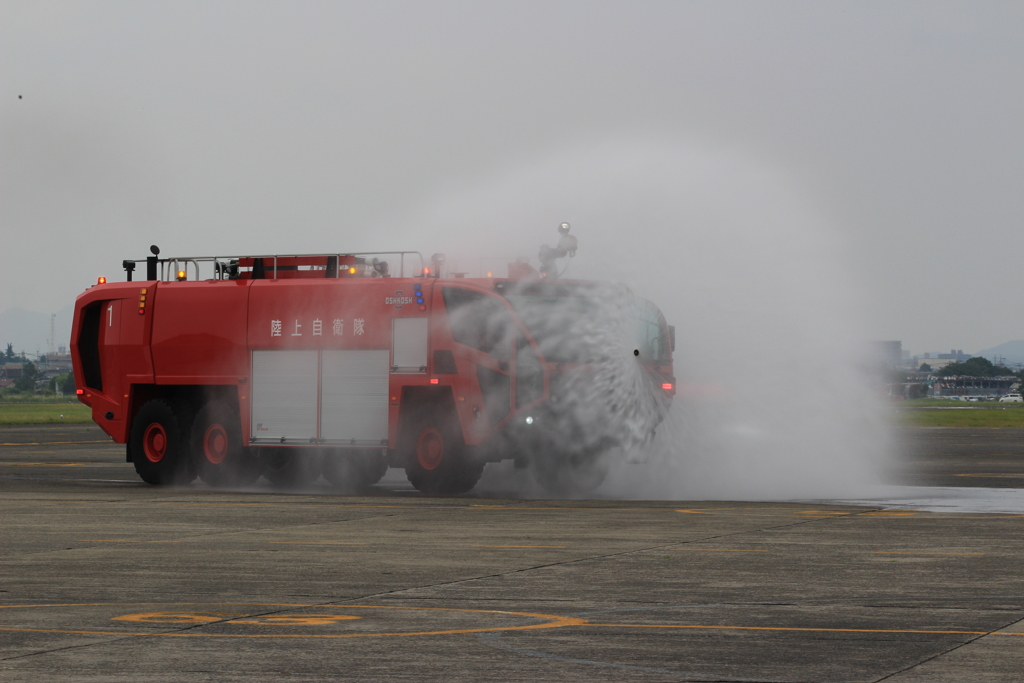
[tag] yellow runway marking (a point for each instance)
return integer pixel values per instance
(550, 621)
(313, 543)
(909, 552)
(518, 546)
(119, 540)
(233, 617)
(719, 550)
(698, 627)
(300, 620)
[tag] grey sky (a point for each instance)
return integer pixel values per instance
(282, 127)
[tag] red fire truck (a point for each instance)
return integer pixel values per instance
(292, 367)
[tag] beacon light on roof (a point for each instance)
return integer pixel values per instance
(181, 275)
(101, 280)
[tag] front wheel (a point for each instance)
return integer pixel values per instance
(437, 462)
(158, 447)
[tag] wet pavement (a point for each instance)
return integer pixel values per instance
(106, 578)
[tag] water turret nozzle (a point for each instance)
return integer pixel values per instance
(566, 247)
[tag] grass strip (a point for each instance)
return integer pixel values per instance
(988, 416)
(44, 413)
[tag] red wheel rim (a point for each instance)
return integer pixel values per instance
(215, 444)
(430, 449)
(154, 442)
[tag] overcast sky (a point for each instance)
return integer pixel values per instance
(221, 127)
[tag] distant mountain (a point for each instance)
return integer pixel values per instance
(1012, 351)
(29, 331)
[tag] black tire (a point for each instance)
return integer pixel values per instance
(437, 461)
(353, 471)
(217, 450)
(290, 468)
(158, 445)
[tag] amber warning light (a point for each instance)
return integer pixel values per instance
(101, 280)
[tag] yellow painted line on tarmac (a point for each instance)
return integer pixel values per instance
(719, 550)
(910, 552)
(518, 546)
(550, 621)
(810, 629)
(120, 540)
(313, 543)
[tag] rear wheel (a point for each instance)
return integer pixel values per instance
(437, 462)
(290, 467)
(158, 446)
(353, 471)
(217, 449)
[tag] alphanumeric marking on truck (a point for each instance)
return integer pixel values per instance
(337, 327)
(393, 300)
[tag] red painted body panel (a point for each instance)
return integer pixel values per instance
(199, 332)
(124, 353)
(203, 333)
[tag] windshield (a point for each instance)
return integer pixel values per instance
(586, 323)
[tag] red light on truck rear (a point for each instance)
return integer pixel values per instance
(434, 380)
(667, 386)
(79, 392)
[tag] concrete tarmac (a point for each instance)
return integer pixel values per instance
(106, 578)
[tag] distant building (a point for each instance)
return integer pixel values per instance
(954, 356)
(935, 363)
(10, 371)
(889, 354)
(974, 386)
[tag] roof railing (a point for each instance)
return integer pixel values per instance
(228, 267)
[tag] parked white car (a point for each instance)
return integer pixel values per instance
(1011, 398)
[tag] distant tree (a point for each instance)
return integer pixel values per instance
(975, 367)
(917, 391)
(27, 381)
(924, 368)
(64, 383)
(9, 354)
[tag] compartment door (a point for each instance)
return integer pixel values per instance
(284, 396)
(354, 397)
(409, 345)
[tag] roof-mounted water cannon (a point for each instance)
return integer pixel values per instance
(548, 255)
(380, 268)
